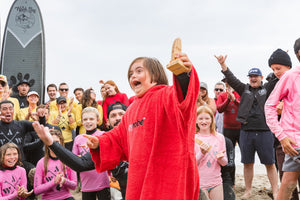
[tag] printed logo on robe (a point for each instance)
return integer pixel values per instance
(136, 124)
(10, 186)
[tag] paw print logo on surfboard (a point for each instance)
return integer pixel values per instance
(15, 81)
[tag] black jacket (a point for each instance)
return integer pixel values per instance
(251, 108)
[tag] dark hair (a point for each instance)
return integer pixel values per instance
(6, 101)
(86, 99)
(155, 69)
(80, 89)
(297, 46)
(63, 84)
(3, 150)
(51, 85)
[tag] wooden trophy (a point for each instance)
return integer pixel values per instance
(176, 66)
(200, 142)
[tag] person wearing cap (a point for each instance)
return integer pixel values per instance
(286, 129)
(64, 119)
(23, 89)
(255, 135)
(219, 88)
(203, 98)
(4, 95)
(115, 112)
(63, 90)
(29, 113)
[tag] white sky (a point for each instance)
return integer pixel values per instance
(89, 40)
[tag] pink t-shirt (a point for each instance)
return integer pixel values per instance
(208, 166)
(9, 180)
(45, 184)
(90, 180)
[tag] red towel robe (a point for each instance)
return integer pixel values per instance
(156, 135)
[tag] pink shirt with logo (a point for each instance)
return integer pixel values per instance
(90, 180)
(287, 89)
(10, 180)
(45, 184)
(209, 166)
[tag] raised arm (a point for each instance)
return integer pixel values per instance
(235, 83)
(79, 164)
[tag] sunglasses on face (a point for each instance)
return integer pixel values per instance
(218, 89)
(63, 89)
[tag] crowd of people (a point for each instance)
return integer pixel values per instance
(166, 142)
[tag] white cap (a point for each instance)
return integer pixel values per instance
(33, 92)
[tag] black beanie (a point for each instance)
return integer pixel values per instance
(116, 105)
(280, 57)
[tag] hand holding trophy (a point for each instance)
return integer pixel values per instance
(176, 65)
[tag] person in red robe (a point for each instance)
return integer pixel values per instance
(156, 134)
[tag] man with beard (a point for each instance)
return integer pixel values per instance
(23, 89)
(85, 163)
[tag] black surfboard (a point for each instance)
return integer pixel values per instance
(23, 47)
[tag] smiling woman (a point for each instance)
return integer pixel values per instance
(29, 113)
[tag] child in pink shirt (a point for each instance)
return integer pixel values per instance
(52, 178)
(93, 184)
(13, 182)
(210, 155)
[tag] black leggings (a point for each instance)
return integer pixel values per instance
(233, 135)
(103, 194)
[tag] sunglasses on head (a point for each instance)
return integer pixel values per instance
(218, 89)
(63, 89)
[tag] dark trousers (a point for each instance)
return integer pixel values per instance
(228, 191)
(103, 194)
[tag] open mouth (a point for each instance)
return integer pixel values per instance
(136, 83)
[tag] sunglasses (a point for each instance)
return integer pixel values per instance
(63, 89)
(219, 89)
